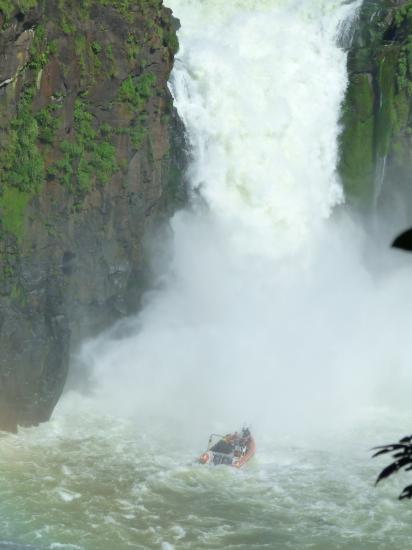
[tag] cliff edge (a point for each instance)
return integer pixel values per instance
(88, 159)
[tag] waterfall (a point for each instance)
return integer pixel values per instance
(379, 180)
(258, 86)
(264, 308)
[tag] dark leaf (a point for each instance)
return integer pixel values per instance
(406, 493)
(404, 241)
(388, 449)
(394, 467)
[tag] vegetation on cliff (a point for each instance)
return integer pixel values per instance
(87, 154)
(377, 127)
(87, 161)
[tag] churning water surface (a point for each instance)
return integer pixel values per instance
(269, 306)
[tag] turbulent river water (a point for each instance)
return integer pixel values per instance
(270, 305)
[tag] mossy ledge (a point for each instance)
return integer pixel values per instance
(88, 162)
(376, 141)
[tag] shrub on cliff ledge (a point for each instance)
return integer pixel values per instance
(88, 158)
(22, 164)
(8, 6)
(135, 92)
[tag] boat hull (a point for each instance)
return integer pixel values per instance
(223, 454)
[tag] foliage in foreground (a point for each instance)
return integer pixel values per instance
(402, 451)
(402, 455)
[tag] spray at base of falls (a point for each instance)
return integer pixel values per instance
(292, 348)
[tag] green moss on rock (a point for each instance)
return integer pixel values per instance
(357, 139)
(7, 7)
(22, 164)
(136, 91)
(386, 111)
(377, 106)
(13, 203)
(88, 158)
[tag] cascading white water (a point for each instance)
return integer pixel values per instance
(269, 307)
(267, 311)
(258, 86)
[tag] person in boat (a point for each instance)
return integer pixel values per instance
(244, 438)
(226, 445)
(233, 443)
(243, 442)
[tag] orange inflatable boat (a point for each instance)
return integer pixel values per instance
(234, 449)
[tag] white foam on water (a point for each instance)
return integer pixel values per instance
(68, 496)
(57, 545)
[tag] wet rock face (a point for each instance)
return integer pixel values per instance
(88, 161)
(376, 142)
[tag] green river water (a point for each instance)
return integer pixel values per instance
(91, 482)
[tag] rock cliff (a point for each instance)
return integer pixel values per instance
(88, 160)
(376, 143)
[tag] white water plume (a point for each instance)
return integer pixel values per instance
(267, 311)
(258, 86)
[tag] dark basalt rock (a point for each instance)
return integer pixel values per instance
(89, 161)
